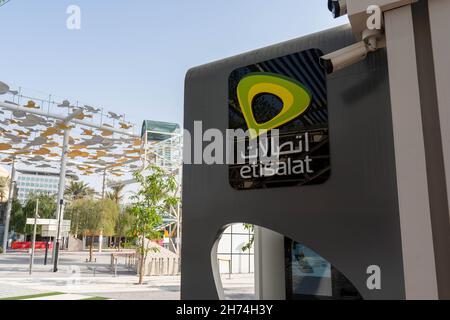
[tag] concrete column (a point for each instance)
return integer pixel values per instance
(100, 242)
(436, 23)
(414, 206)
(270, 280)
(9, 207)
(439, 11)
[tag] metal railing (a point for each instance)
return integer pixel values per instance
(129, 262)
(163, 266)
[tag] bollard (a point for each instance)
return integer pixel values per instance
(168, 266)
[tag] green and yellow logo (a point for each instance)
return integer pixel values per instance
(295, 98)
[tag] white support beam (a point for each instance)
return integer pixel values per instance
(14, 107)
(60, 199)
(414, 206)
(9, 207)
(439, 11)
(73, 115)
(269, 265)
(357, 11)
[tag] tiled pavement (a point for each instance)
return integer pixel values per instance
(16, 282)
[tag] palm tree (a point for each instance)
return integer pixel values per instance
(116, 193)
(78, 190)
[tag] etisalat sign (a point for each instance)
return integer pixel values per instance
(283, 104)
(277, 132)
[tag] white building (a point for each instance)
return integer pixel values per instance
(31, 181)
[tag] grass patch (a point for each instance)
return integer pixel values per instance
(95, 298)
(41, 295)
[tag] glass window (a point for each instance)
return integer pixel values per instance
(225, 244)
(310, 275)
(239, 228)
(241, 263)
(239, 242)
(231, 244)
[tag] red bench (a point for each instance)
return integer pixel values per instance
(27, 245)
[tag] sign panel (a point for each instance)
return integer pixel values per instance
(288, 94)
(340, 220)
(54, 228)
(53, 234)
(49, 222)
(50, 227)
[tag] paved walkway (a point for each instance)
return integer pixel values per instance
(8, 290)
(61, 297)
(76, 280)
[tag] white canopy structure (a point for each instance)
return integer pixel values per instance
(41, 132)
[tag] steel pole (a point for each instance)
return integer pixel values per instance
(33, 240)
(104, 184)
(46, 253)
(9, 207)
(60, 203)
(58, 238)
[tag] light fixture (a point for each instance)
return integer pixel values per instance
(19, 114)
(64, 104)
(114, 115)
(91, 109)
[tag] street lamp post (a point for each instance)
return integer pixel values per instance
(60, 204)
(58, 236)
(33, 240)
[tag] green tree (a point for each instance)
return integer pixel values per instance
(124, 223)
(76, 190)
(19, 213)
(47, 205)
(95, 217)
(156, 194)
(116, 195)
(18, 218)
(73, 212)
(47, 208)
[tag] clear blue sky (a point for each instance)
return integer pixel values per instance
(131, 56)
